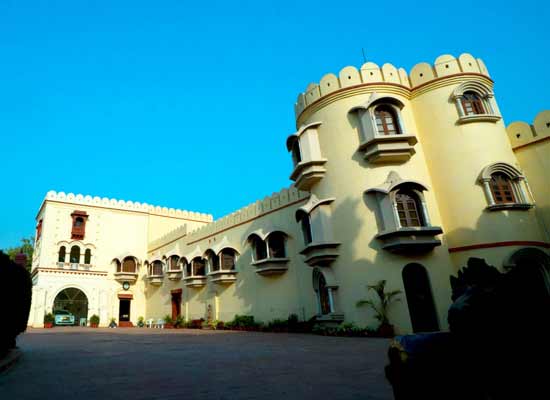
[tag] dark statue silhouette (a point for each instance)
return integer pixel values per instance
(497, 346)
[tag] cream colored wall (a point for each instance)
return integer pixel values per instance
(114, 229)
(532, 149)
(456, 155)
(266, 298)
(362, 261)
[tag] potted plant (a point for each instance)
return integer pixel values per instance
(178, 322)
(94, 321)
(141, 322)
(49, 320)
(380, 307)
(168, 322)
(112, 323)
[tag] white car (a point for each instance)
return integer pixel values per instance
(63, 317)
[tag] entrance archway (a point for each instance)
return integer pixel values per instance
(419, 298)
(73, 300)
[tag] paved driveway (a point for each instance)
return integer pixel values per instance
(84, 363)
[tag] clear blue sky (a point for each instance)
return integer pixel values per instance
(188, 105)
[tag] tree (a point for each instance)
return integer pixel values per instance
(26, 247)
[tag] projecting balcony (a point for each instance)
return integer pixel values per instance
(155, 279)
(271, 266)
(411, 240)
(389, 149)
(130, 277)
(308, 173)
(175, 275)
(320, 254)
(195, 281)
(223, 276)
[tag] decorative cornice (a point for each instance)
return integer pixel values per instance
(67, 272)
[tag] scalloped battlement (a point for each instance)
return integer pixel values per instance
(126, 205)
(521, 133)
(175, 234)
(254, 210)
(371, 73)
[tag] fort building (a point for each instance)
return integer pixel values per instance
(396, 176)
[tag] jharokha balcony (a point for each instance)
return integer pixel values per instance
(271, 266)
(195, 281)
(174, 274)
(130, 277)
(223, 276)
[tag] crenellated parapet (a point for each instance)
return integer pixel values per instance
(370, 74)
(126, 205)
(169, 237)
(522, 134)
(255, 210)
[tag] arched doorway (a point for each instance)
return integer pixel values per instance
(419, 298)
(73, 300)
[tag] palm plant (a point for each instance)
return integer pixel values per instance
(380, 307)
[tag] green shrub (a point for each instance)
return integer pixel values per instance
(168, 319)
(49, 318)
(94, 319)
(179, 322)
(243, 322)
(141, 322)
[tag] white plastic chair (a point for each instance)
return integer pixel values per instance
(149, 323)
(160, 323)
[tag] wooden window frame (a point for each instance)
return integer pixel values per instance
(124, 266)
(503, 190)
(474, 101)
(78, 231)
(228, 257)
(381, 114)
(407, 203)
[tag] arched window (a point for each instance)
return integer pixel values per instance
(173, 263)
(118, 265)
(156, 268)
(39, 230)
(386, 120)
(213, 260)
(419, 298)
(296, 154)
(502, 188)
(408, 208)
(88, 256)
(62, 252)
(228, 258)
(472, 104)
(199, 266)
(188, 271)
(129, 265)
(259, 248)
(305, 224)
(74, 256)
(322, 292)
(276, 245)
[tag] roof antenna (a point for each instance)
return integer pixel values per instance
(364, 58)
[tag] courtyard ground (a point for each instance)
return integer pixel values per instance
(84, 363)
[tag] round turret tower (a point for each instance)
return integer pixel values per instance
(409, 174)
